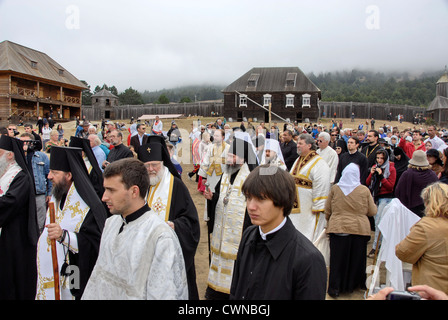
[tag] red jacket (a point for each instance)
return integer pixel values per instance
(387, 185)
(409, 148)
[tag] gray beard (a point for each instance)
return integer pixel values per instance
(153, 180)
(231, 169)
(4, 164)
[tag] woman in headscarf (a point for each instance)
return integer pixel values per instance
(381, 182)
(401, 162)
(433, 156)
(348, 206)
(341, 147)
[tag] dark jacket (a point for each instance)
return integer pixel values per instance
(289, 151)
(287, 266)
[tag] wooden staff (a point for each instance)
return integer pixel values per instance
(54, 256)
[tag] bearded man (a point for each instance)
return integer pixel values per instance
(231, 216)
(311, 174)
(80, 217)
(18, 223)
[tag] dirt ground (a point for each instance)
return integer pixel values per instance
(202, 258)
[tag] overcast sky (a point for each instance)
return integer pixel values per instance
(156, 44)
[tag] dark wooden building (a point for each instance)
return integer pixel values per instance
(438, 108)
(103, 104)
(32, 84)
(287, 90)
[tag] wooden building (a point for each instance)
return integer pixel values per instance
(32, 84)
(103, 104)
(438, 108)
(287, 90)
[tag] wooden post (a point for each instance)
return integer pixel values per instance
(54, 256)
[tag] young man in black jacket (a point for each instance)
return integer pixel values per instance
(275, 261)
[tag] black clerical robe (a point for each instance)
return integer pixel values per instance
(119, 152)
(289, 151)
(370, 153)
(357, 157)
(184, 215)
(18, 273)
(285, 266)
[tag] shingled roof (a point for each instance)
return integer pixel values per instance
(20, 59)
(270, 80)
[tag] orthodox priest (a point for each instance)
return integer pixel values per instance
(311, 174)
(272, 154)
(231, 216)
(18, 223)
(211, 170)
(80, 217)
(93, 169)
(170, 200)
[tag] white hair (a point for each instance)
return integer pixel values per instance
(325, 135)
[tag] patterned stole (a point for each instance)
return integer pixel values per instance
(302, 179)
(159, 196)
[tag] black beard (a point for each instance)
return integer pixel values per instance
(60, 190)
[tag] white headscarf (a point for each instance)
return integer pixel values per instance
(350, 178)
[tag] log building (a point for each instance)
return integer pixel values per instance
(438, 108)
(287, 90)
(32, 84)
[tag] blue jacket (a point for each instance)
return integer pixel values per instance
(41, 168)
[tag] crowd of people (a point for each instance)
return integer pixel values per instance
(282, 208)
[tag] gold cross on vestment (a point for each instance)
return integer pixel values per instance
(149, 150)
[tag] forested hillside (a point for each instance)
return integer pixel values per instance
(366, 86)
(355, 85)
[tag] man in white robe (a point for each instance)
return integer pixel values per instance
(328, 154)
(312, 177)
(140, 255)
(170, 200)
(230, 216)
(79, 219)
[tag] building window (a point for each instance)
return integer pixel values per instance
(291, 79)
(34, 64)
(253, 80)
(243, 100)
(267, 99)
(289, 100)
(61, 72)
(306, 100)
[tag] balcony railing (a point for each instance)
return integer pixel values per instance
(32, 93)
(24, 92)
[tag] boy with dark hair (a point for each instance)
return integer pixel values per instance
(275, 261)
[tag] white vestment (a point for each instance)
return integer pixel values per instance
(331, 157)
(312, 177)
(227, 231)
(212, 164)
(160, 195)
(7, 178)
(70, 218)
(142, 262)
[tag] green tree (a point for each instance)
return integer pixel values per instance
(185, 99)
(130, 96)
(86, 94)
(163, 99)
